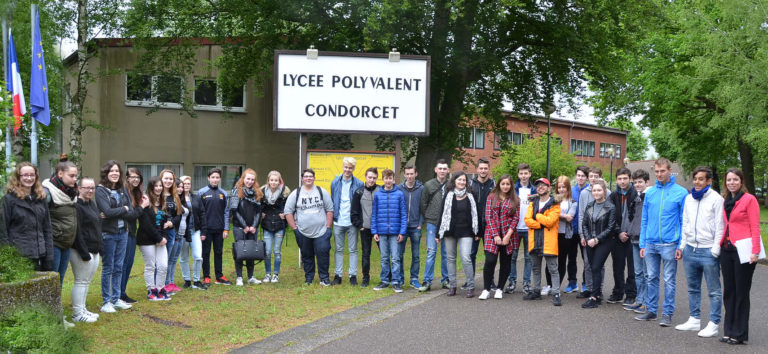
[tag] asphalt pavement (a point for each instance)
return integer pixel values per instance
(435, 323)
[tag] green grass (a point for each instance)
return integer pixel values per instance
(764, 227)
(225, 317)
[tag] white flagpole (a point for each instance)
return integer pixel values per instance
(33, 134)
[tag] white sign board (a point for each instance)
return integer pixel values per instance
(351, 93)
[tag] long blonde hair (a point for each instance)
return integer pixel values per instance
(15, 187)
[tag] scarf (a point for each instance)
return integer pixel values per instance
(271, 196)
(58, 196)
(445, 222)
(71, 192)
(249, 194)
(697, 195)
(459, 193)
(730, 202)
(538, 234)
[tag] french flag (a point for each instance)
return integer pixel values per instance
(14, 86)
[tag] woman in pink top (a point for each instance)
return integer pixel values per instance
(742, 222)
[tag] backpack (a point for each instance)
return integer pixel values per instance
(296, 198)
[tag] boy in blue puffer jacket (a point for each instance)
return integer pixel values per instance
(389, 221)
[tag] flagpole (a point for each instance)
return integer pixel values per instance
(33, 134)
(5, 76)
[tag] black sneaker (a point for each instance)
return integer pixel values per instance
(583, 295)
(381, 286)
(629, 301)
(590, 304)
(187, 284)
(614, 298)
(397, 288)
(444, 283)
(425, 287)
(127, 299)
(510, 289)
(556, 300)
(336, 280)
(365, 282)
(353, 280)
(666, 320)
(464, 287)
(222, 280)
(533, 295)
(648, 316)
(199, 285)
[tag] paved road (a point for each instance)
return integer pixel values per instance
(434, 323)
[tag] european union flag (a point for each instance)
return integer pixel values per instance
(38, 87)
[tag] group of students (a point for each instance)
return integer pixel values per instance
(645, 228)
(62, 220)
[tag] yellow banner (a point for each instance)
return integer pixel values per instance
(328, 165)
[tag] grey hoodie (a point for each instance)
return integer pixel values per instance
(413, 202)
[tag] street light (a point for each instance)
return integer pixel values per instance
(611, 153)
(548, 109)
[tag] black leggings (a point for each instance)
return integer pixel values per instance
(490, 268)
(240, 235)
(597, 257)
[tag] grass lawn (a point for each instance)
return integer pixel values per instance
(764, 227)
(225, 317)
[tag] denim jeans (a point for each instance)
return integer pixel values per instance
(639, 274)
(312, 248)
(390, 253)
(194, 250)
(351, 236)
(414, 235)
(130, 254)
(274, 242)
(527, 257)
(174, 249)
(464, 245)
(429, 267)
(656, 255)
(112, 265)
(60, 262)
(699, 262)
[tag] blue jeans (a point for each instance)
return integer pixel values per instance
(194, 250)
(656, 255)
(527, 257)
(390, 252)
(699, 262)
(350, 234)
(414, 235)
(130, 254)
(639, 274)
(60, 262)
(112, 265)
(274, 242)
(429, 267)
(174, 250)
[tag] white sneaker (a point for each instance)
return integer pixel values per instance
(67, 324)
(267, 279)
(275, 278)
(545, 290)
(83, 317)
(122, 305)
(108, 308)
(239, 281)
(710, 330)
(89, 313)
(484, 295)
(498, 294)
(254, 281)
(693, 324)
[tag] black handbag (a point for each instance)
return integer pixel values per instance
(249, 250)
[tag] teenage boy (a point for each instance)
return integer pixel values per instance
(581, 183)
(595, 173)
(621, 252)
(412, 190)
(640, 183)
(309, 212)
(362, 205)
(660, 233)
(543, 218)
(703, 228)
(523, 189)
(342, 188)
(217, 226)
(389, 221)
(432, 209)
(482, 185)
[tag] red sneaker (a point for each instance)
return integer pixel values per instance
(223, 280)
(207, 280)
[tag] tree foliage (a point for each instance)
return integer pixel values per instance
(637, 142)
(534, 153)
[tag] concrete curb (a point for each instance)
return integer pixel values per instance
(327, 329)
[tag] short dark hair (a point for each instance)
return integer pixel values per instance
(597, 170)
(483, 160)
(387, 173)
(584, 169)
(371, 169)
(705, 169)
(308, 170)
(214, 170)
(641, 174)
(523, 166)
(409, 167)
(624, 171)
(442, 162)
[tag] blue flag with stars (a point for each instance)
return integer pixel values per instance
(38, 87)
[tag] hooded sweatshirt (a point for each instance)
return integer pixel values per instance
(663, 214)
(703, 224)
(63, 216)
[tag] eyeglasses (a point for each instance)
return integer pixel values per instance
(88, 188)
(27, 176)
(309, 176)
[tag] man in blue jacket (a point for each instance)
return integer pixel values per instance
(660, 233)
(412, 190)
(342, 188)
(389, 221)
(217, 226)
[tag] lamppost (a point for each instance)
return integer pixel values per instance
(548, 109)
(611, 153)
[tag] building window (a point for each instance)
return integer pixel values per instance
(472, 138)
(153, 169)
(229, 175)
(144, 90)
(479, 138)
(583, 148)
(604, 150)
(209, 95)
(512, 139)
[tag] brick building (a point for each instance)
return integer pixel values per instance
(589, 142)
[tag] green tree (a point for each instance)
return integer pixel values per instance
(534, 153)
(524, 52)
(637, 142)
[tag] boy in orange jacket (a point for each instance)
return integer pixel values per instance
(542, 219)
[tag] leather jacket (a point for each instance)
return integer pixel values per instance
(601, 226)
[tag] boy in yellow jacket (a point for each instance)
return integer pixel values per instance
(542, 218)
